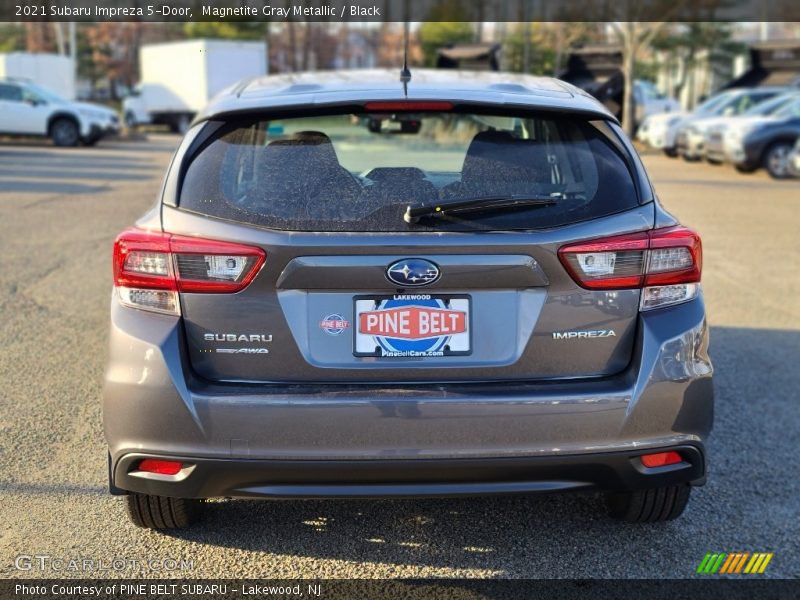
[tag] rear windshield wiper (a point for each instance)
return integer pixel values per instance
(482, 204)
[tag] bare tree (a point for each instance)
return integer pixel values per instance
(634, 36)
(564, 36)
(642, 24)
(37, 37)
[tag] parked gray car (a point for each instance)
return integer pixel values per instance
(768, 145)
(727, 131)
(491, 301)
(691, 135)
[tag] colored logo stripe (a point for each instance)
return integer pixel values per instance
(735, 562)
(711, 562)
(758, 563)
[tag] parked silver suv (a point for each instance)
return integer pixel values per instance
(348, 288)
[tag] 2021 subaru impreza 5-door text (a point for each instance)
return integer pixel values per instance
(353, 288)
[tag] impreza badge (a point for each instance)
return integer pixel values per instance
(594, 333)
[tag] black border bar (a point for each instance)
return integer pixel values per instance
(450, 589)
(400, 10)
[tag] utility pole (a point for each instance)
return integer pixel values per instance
(73, 49)
(59, 31)
(268, 45)
(526, 32)
(73, 43)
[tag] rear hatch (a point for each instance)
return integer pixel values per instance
(468, 285)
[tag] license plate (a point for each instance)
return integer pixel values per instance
(412, 325)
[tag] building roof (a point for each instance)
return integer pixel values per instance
(468, 51)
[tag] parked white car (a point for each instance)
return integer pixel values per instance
(649, 101)
(661, 131)
(794, 160)
(658, 131)
(32, 110)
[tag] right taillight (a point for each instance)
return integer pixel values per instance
(150, 268)
(664, 263)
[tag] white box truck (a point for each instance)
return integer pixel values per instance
(179, 78)
(52, 71)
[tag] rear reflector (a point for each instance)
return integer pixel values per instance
(664, 295)
(164, 301)
(151, 267)
(665, 263)
(162, 467)
(411, 105)
(661, 459)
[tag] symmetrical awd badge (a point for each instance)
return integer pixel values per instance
(412, 272)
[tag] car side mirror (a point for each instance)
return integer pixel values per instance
(34, 102)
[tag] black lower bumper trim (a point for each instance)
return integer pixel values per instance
(247, 478)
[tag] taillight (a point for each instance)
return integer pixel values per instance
(665, 263)
(661, 459)
(150, 268)
(161, 467)
(409, 105)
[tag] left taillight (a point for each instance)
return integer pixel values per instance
(664, 263)
(150, 268)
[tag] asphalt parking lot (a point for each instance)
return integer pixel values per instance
(59, 212)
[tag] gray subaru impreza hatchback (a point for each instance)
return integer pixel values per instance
(353, 287)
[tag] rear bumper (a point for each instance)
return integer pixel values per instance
(610, 471)
(98, 132)
(659, 136)
(715, 150)
(794, 163)
(154, 405)
(690, 145)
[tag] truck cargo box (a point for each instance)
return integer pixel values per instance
(183, 76)
(53, 71)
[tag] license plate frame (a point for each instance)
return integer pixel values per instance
(432, 346)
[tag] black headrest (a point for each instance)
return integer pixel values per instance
(499, 156)
(304, 153)
(304, 138)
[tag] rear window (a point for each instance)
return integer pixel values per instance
(359, 172)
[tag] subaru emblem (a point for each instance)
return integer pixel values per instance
(412, 272)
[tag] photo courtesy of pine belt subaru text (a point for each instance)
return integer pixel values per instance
(352, 286)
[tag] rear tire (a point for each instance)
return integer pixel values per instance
(181, 124)
(671, 152)
(160, 512)
(649, 506)
(776, 160)
(65, 133)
